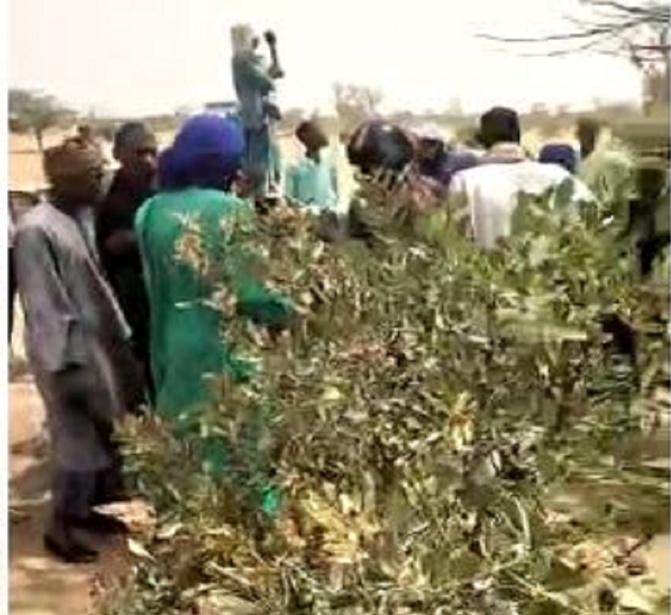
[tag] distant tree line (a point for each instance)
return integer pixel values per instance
(35, 113)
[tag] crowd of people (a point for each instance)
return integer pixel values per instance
(115, 317)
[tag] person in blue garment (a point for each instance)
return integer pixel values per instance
(562, 154)
(312, 181)
(255, 88)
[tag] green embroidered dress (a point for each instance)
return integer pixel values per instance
(192, 259)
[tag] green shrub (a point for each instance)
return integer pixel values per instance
(414, 419)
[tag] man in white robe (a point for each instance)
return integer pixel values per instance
(490, 191)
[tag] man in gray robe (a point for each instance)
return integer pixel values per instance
(77, 346)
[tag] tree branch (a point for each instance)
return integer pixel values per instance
(620, 21)
(651, 13)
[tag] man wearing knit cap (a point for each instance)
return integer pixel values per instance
(135, 148)
(76, 343)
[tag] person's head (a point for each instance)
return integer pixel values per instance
(74, 171)
(430, 142)
(312, 136)
(136, 150)
(377, 145)
(588, 131)
(85, 133)
(243, 38)
(499, 125)
(562, 154)
(207, 152)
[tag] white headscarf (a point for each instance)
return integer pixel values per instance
(242, 38)
(429, 132)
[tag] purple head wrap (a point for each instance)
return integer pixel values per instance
(207, 152)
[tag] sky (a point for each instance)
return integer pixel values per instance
(135, 57)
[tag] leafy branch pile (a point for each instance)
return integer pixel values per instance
(423, 404)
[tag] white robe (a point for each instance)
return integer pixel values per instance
(491, 193)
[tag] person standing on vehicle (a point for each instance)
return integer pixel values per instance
(255, 86)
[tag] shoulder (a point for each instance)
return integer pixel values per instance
(37, 218)
(37, 227)
(550, 171)
(538, 174)
(483, 173)
(294, 167)
(609, 157)
(155, 201)
(219, 198)
(215, 204)
(192, 201)
(621, 158)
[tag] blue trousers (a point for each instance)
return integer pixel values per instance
(262, 164)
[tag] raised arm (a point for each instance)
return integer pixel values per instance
(252, 71)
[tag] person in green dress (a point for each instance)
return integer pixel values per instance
(186, 235)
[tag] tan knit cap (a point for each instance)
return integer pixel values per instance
(73, 158)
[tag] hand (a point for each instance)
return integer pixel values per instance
(276, 72)
(72, 385)
(242, 186)
(120, 242)
(76, 387)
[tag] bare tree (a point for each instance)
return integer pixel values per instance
(33, 112)
(638, 31)
(354, 103)
(608, 26)
(291, 118)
